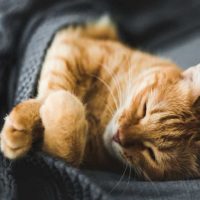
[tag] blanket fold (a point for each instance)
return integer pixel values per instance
(26, 30)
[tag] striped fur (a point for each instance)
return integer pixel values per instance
(91, 87)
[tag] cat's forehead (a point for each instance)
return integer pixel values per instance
(167, 95)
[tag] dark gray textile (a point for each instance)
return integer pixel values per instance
(41, 38)
(26, 29)
(185, 52)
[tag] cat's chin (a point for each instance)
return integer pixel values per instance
(114, 149)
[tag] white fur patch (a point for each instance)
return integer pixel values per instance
(113, 148)
(104, 20)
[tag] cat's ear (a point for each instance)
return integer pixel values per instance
(196, 104)
(192, 77)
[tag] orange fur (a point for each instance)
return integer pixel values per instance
(99, 100)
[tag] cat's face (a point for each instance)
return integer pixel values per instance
(157, 131)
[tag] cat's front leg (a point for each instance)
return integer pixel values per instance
(22, 126)
(65, 126)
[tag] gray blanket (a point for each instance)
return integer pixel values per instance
(26, 29)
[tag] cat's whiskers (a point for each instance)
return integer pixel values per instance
(128, 89)
(111, 111)
(132, 69)
(149, 179)
(109, 89)
(129, 177)
(143, 173)
(120, 180)
(116, 83)
(137, 171)
(146, 175)
(119, 90)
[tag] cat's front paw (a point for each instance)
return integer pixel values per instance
(63, 117)
(15, 139)
(17, 132)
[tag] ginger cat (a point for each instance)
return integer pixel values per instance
(101, 104)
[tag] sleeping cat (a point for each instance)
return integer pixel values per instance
(101, 104)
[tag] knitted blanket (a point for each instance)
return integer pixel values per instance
(26, 30)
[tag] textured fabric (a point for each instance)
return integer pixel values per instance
(26, 30)
(39, 42)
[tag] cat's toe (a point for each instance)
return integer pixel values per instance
(15, 139)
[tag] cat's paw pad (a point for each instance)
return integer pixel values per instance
(16, 137)
(15, 140)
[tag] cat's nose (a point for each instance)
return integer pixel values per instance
(116, 137)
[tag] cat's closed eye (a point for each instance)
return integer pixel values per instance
(149, 149)
(144, 112)
(151, 153)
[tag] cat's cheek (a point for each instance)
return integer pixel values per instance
(118, 152)
(114, 149)
(110, 131)
(107, 139)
